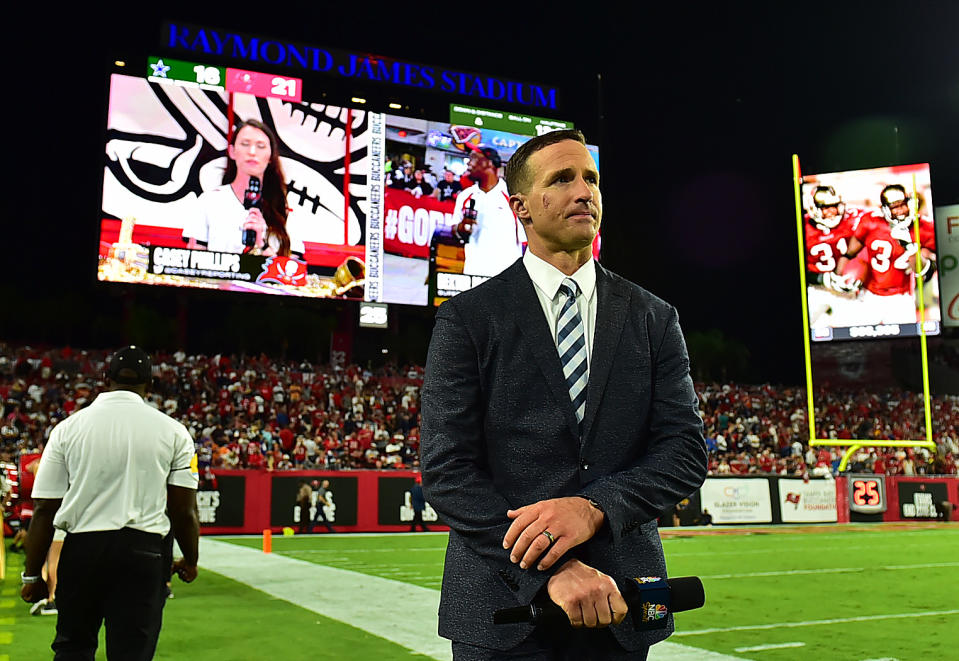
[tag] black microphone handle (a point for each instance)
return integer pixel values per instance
(686, 593)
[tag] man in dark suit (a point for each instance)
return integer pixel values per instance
(559, 420)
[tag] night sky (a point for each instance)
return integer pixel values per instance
(696, 111)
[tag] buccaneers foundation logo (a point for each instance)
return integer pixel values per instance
(283, 271)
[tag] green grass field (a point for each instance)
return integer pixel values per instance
(835, 593)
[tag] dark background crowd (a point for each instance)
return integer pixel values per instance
(259, 413)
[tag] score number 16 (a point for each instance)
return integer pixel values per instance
(207, 75)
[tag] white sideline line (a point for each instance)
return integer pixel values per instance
(763, 648)
(668, 651)
(399, 612)
(395, 611)
(812, 623)
(830, 570)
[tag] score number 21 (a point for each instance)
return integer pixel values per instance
(283, 87)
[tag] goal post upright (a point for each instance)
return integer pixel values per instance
(854, 445)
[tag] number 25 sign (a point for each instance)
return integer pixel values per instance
(867, 494)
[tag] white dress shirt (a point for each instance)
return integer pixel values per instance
(547, 279)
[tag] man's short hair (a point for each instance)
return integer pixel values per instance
(517, 174)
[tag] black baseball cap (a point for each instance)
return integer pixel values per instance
(488, 152)
(130, 359)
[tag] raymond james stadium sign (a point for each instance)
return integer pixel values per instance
(358, 66)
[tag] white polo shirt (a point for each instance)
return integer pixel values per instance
(219, 220)
(111, 463)
(498, 235)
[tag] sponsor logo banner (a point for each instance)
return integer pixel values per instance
(807, 502)
(410, 222)
(341, 496)
(921, 500)
(395, 505)
(947, 246)
(737, 500)
(224, 504)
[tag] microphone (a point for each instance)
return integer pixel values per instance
(650, 600)
(251, 199)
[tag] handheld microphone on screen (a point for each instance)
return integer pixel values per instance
(251, 199)
(470, 213)
(469, 219)
(650, 600)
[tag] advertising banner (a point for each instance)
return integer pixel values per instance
(395, 505)
(341, 496)
(223, 505)
(921, 500)
(737, 500)
(807, 502)
(868, 236)
(947, 231)
(410, 222)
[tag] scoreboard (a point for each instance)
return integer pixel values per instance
(227, 79)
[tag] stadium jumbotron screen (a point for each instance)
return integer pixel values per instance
(869, 247)
(372, 201)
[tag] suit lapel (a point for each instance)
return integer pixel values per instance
(539, 337)
(612, 307)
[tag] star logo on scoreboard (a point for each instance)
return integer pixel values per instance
(160, 69)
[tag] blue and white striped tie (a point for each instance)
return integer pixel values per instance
(571, 344)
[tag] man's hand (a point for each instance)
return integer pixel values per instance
(570, 521)
(465, 226)
(187, 573)
(34, 592)
(589, 597)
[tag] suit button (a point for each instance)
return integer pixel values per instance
(585, 466)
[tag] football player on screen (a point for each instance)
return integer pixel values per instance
(884, 249)
(829, 228)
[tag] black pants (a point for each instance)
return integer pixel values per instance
(558, 642)
(305, 524)
(418, 521)
(566, 645)
(320, 517)
(116, 576)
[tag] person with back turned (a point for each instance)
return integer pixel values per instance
(559, 420)
(107, 477)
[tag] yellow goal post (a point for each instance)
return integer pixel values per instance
(854, 445)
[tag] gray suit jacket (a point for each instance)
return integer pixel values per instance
(499, 432)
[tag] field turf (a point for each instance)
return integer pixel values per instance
(856, 593)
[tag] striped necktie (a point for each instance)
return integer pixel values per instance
(571, 344)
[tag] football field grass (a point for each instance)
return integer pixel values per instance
(859, 592)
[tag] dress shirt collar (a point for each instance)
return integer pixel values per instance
(548, 278)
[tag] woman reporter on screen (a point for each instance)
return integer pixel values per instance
(222, 218)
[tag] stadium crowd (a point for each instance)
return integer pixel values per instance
(254, 412)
